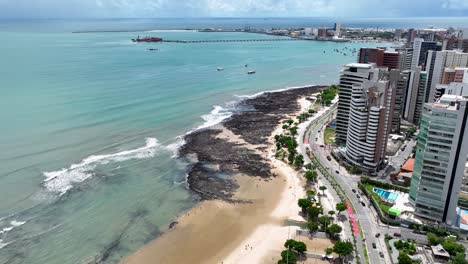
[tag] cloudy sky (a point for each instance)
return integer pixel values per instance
(230, 8)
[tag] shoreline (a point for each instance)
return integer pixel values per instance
(255, 201)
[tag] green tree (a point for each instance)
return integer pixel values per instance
(311, 176)
(459, 259)
(343, 248)
(324, 221)
(312, 226)
(290, 121)
(331, 213)
(288, 256)
(297, 246)
(434, 239)
(313, 212)
(340, 207)
(323, 188)
(291, 158)
(452, 247)
(333, 230)
(293, 130)
(328, 251)
(310, 194)
(403, 258)
(411, 131)
(304, 204)
(299, 161)
(300, 247)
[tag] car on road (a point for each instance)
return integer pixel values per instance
(357, 195)
(328, 158)
(363, 204)
(381, 254)
(353, 190)
(322, 146)
(397, 234)
(377, 235)
(337, 172)
(374, 245)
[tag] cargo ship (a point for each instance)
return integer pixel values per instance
(147, 39)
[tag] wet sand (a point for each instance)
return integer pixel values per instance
(210, 231)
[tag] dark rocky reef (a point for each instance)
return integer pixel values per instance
(218, 158)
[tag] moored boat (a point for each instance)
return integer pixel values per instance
(147, 39)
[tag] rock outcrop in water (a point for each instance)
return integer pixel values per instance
(218, 158)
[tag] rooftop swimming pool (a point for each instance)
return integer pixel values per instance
(386, 195)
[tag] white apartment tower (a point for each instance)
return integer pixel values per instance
(370, 122)
(437, 61)
(353, 73)
(441, 155)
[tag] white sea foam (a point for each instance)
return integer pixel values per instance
(62, 180)
(174, 147)
(217, 115)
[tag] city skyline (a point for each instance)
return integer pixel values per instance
(225, 8)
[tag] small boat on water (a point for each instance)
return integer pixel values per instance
(147, 39)
(152, 49)
(251, 72)
(220, 69)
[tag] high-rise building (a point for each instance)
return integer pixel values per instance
(411, 35)
(455, 88)
(391, 60)
(371, 55)
(415, 95)
(420, 50)
(441, 155)
(353, 73)
(437, 62)
(406, 57)
(398, 33)
(399, 80)
(337, 29)
(380, 56)
(454, 43)
(457, 75)
(370, 122)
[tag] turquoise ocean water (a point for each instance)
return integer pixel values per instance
(90, 124)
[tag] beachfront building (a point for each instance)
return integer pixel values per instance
(441, 154)
(437, 62)
(399, 80)
(370, 120)
(415, 94)
(353, 73)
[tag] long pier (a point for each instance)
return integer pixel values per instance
(230, 40)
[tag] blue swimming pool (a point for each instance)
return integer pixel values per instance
(386, 195)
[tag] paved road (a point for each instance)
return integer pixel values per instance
(347, 182)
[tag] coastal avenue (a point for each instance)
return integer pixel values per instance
(366, 215)
(347, 183)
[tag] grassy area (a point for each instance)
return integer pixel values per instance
(376, 197)
(329, 136)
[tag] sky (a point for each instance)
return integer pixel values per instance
(230, 8)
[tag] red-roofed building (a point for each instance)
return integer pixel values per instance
(408, 166)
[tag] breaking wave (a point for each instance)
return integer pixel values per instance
(61, 181)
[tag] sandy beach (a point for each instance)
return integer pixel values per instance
(251, 231)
